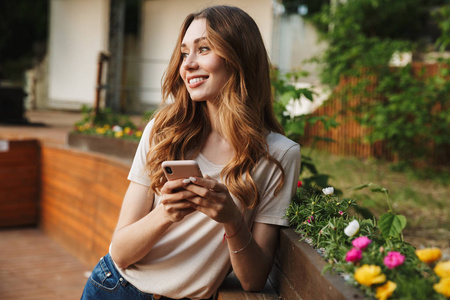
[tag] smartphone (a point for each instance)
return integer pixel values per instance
(181, 169)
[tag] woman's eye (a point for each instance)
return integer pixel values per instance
(203, 49)
(184, 55)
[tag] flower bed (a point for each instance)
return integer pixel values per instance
(107, 133)
(370, 254)
(122, 148)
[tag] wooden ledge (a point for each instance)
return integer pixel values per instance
(297, 273)
(231, 289)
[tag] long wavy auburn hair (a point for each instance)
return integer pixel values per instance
(245, 102)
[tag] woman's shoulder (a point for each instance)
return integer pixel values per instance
(279, 145)
(149, 127)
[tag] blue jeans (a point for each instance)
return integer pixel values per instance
(106, 283)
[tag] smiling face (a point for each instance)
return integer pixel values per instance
(202, 70)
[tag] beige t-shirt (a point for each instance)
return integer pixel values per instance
(191, 259)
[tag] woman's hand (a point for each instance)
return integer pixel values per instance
(174, 199)
(213, 199)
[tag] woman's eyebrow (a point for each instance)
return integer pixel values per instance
(196, 41)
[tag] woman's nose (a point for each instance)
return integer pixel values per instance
(190, 62)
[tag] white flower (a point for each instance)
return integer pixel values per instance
(352, 228)
(117, 128)
(328, 191)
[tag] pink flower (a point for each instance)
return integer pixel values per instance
(341, 212)
(299, 184)
(394, 259)
(353, 255)
(361, 242)
(310, 219)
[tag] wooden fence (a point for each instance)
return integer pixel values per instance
(349, 138)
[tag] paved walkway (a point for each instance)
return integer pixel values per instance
(48, 126)
(34, 267)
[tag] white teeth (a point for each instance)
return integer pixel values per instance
(197, 79)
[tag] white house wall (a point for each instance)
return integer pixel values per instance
(78, 32)
(161, 21)
(295, 42)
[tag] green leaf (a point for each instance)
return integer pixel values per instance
(391, 225)
(379, 189)
(360, 187)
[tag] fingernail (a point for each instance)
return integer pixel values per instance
(185, 181)
(193, 179)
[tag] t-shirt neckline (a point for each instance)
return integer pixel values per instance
(210, 163)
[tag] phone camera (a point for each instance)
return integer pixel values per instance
(169, 170)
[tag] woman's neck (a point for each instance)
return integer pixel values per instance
(214, 120)
(216, 148)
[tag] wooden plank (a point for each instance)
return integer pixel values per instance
(282, 285)
(231, 289)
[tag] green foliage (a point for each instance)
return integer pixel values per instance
(411, 114)
(285, 91)
(314, 214)
(392, 225)
(104, 117)
(359, 38)
(443, 18)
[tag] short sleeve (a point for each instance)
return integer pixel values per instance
(138, 172)
(272, 208)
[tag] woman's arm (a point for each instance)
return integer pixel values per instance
(251, 252)
(139, 227)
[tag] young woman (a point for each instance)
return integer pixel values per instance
(179, 239)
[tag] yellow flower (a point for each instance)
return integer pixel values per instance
(118, 134)
(106, 126)
(443, 287)
(139, 133)
(386, 290)
(369, 274)
(429, 255)
(127, 130)
(442, 269)
(100, 130)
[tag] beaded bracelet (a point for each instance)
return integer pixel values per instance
(246, 245)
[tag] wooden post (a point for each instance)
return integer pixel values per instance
(116, 36)
(102, 58)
